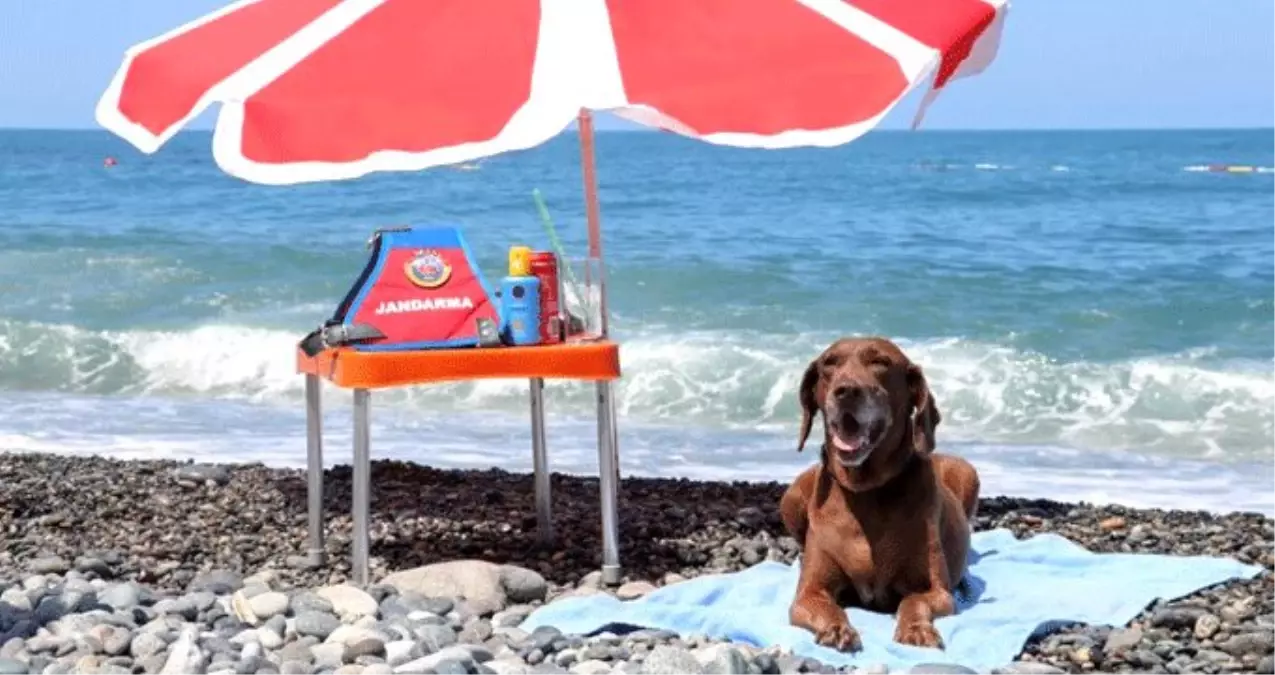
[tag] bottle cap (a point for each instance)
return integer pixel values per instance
(519, 261)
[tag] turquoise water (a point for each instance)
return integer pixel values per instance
(1095, 317)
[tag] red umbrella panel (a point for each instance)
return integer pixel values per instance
(333, 89)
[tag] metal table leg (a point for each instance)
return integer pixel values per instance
(540, 459)
(361, 487)
(314, 467)
(609, 482)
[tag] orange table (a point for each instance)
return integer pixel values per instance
(363, 371)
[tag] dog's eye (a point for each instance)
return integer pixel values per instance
(879, 364)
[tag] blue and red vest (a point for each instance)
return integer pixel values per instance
(419, 290)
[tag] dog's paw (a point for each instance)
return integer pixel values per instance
(841, 637)
(918, 634)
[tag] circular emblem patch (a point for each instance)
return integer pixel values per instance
(427, 269)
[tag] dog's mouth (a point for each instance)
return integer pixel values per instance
(853, 446)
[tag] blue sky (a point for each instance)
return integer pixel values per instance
(1063, 63)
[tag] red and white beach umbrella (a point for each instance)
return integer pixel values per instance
(331, 89)
(334, 89)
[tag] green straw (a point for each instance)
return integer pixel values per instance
(553, 239)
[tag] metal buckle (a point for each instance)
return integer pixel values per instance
(332, 336)
(376, 234)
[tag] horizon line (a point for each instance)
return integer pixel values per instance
(640, 129)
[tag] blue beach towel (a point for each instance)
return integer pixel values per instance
(1014, 588)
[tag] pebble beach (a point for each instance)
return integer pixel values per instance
(112, 566)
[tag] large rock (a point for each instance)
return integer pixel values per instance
(665, 660)
(486, 587)
(350, 603)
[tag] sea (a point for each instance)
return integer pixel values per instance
(1093, 310)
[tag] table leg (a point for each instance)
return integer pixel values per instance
(540, 459)
(609, 482)
(361, 487)
(314, 467)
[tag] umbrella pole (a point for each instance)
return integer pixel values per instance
(608, 441)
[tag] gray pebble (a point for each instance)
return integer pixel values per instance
(591, 667)
(665, 660)
(477, 630)
(218, 582)
(253, 589)
(399, 652)
(120, 596)
(269, 604)
(316, 624)
(508, 666)
(146, 644)
(308, 601)
(277, 624)
(1267, 664)
(49, 565)
(450, 667)
(182, 607)
(115, 640)
(1212, 656)
(298, 650)
(92, 565)
(295, 668)
(434, 638)
(50, 609)
(16, 601)
(790, 663)
(940, 668)
(1249, 643)
(727, 660)
(203, 600)
(1028, 667)
(543, 637)
(439, 606)
(329, 655)
(1177, 616)
(1122, 639)
(566, 658)
(202, 473)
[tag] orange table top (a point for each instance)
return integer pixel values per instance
(345, 367)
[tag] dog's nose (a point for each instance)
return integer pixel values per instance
(848, 394)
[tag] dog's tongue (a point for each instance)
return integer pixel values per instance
(851, 445)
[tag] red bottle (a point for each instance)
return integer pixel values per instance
(544, 266)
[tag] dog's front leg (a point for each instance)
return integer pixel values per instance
(918, 610)
(815, 608)
(917, 613)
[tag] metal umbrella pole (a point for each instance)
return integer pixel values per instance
(608, 441)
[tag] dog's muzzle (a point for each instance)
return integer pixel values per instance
(857, 421)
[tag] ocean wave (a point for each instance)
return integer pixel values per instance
(1227, 168)
(1188, 405)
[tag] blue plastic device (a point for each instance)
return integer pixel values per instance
(520, 310)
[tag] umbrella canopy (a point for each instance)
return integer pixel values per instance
(332, 89)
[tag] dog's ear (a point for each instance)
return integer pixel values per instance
(809, 407)
(925, 414)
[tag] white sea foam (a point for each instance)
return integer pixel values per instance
(1187, 406)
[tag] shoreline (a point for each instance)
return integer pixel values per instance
(166, 524)
(1208, 480)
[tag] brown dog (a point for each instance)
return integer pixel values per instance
(882, 521)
